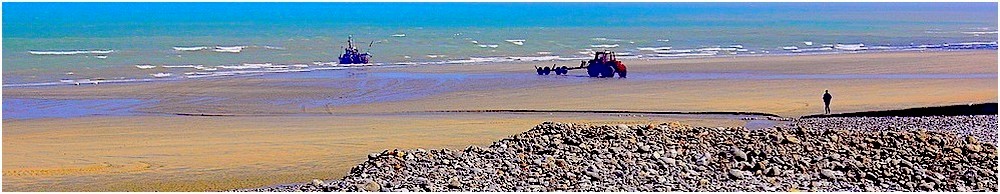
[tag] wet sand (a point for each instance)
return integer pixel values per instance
(287, 128)
(175, 153)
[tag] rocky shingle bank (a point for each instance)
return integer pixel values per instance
(955, 153)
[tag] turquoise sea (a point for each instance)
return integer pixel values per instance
(44, 43)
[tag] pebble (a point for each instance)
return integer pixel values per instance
(740, 155)
(669, 161)
(973, 148)
(927, 186)
(735, 174)
(372, 186)
(828, 174)
(454, 183)
(317, 182)
(773, 171)
(873, 153)
(792, 139)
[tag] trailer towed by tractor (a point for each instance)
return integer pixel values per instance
(603, 65)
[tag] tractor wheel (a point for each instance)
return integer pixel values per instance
(546, 70)
(608, 72)
(593, 71)
(621, 74)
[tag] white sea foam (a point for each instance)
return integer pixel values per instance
(77, 82)
(274, 47)
(399, 35)
(932, 46)
(654, 48)
(935, 31)
(738, 46)
(604, 45)
(881, 47)
(190, 48)
(976, 43)
(813, 49)
(205, 68)
(229, 49)
(320, 63)
(101, 56)
(543, 53)
(516, 42)
(179, 66)
(807, 43)
(71, 52)
(674, 51)
(276, 67)
(145, 66)
(662, 40)
(489, 45)
(161, 75)
(237, 67)
(480, 60)
(542, 58)
(717, 49)
(686, 54)
(850, 47)
(790, 48)
(980, 32)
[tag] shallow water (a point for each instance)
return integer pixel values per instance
(60, 108)
(389, 86)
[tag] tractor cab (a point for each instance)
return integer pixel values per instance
(605, 64)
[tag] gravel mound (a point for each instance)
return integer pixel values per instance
(830, 154)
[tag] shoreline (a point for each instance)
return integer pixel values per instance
(341, 67)
(349, 91)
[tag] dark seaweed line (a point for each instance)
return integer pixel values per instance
(608, 112)
(951, 110)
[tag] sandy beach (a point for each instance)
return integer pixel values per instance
(256, 131)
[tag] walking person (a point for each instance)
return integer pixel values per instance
(826, 100)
